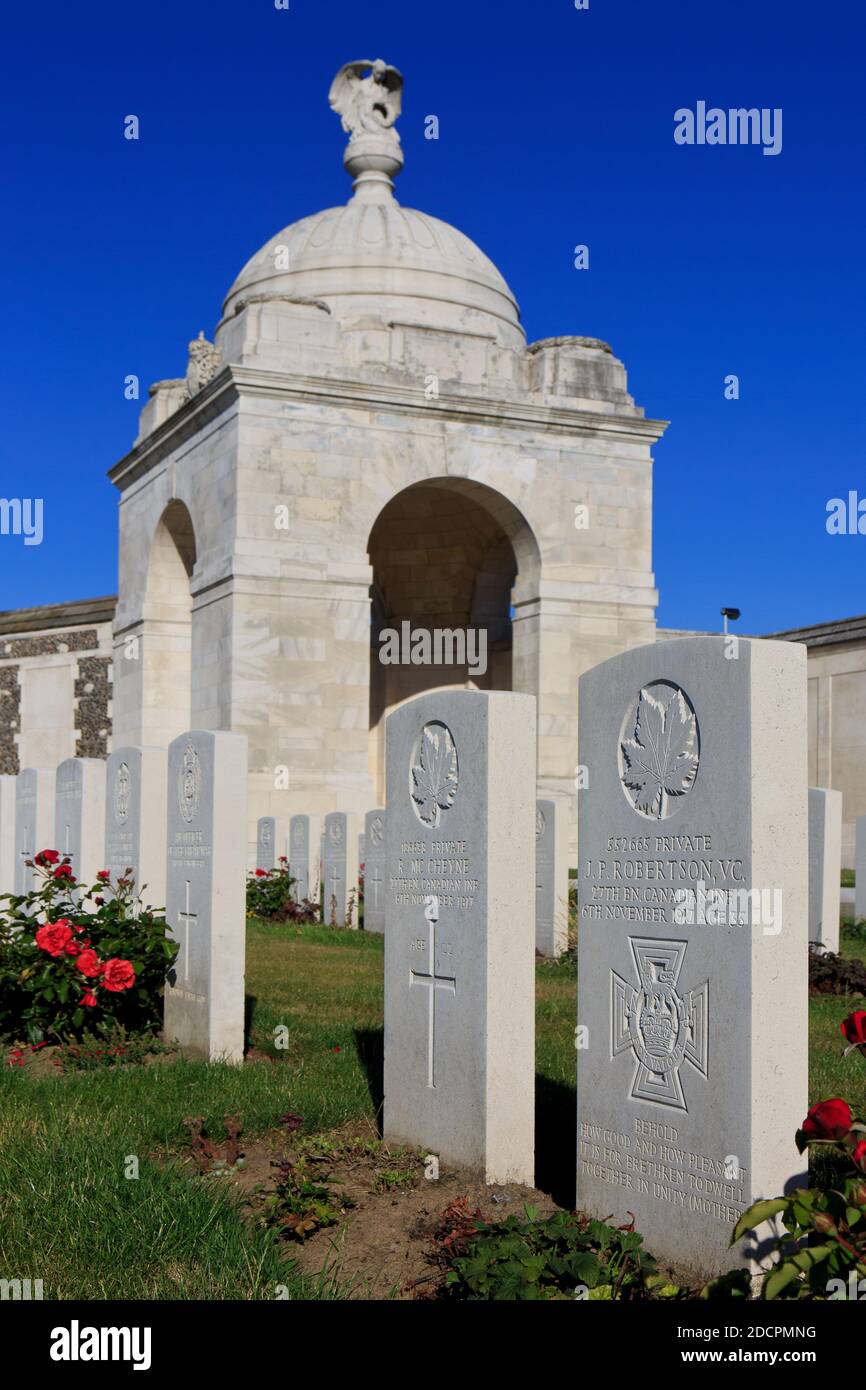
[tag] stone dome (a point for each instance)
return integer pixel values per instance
(386, 260)
(374, 258)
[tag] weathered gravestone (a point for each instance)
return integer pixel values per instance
(7, 833)
(825, 866)
(374, 870)
(459, 930)
(361, 848)
(79, 816)
(305, 848)
(551, 876)
(860, 867)
(205, 892)
(271, 842)
(340, 869)
(692, 998)
(135, 820)
(34, 822)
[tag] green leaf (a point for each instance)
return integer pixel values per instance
(757, 1213)
(812, 1255)
(585, 1268)
(779, 1278)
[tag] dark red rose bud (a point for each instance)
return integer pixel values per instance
(828, 1119)
(854, 1028)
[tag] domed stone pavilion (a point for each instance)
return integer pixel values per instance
(370, 446)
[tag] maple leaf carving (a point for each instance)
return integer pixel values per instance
(434, 776)
(661, 760)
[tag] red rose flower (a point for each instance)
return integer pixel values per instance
(854, 1028)
(88, 963)
(103, 875)
(829, 1119)
(54, 937)
(47, 856)
(64, 871)
(73, 948)
(859, 1155)
(88, 1000)
(100, 902)
(117, 975)
(261, 873)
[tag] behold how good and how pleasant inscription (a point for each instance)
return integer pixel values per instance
(661, 877)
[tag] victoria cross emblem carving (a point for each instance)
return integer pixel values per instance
(659, 1026)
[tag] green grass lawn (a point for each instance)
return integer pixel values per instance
(69, 1216)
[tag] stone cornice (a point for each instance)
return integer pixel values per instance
(234, 381)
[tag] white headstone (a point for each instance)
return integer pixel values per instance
(79, 816)
(825, 866)
(459, 930)
(272, 839)
(374, 870)
(860, 868)
(692, 1001)
(305, 848)
(205, 892)
(8, 791)
(135, 820)
(340, 869)
(551, 876)
(34, 822)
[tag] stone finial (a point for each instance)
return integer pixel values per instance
(204, 361)
(367, 95)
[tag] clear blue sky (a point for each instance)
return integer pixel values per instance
(556, 129)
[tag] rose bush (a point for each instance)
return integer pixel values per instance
(270, 895)
(73, 957)
(819, 1231)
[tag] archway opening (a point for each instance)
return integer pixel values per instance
(167, 629)
(449, 558)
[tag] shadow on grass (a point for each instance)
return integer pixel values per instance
(370, 1043)
(250, 1002)
(555, 1139)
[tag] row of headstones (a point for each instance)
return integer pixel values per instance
(66, 811)
(692, 1021)
(322, 857)
(693, 891)
(169, 821)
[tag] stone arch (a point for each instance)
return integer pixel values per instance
(454, 559)
(167, 628)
